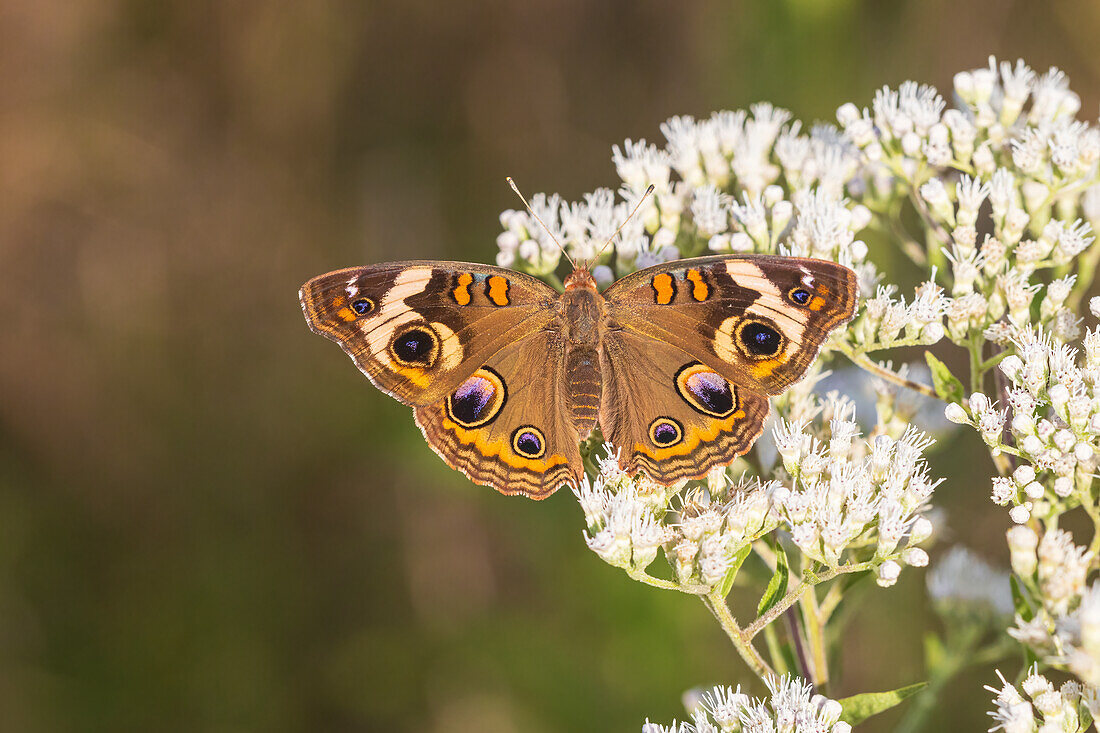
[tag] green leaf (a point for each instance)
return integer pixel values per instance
(947, 385)
(777, 586)
(738, 559)
(1019, 599)
(858, 708)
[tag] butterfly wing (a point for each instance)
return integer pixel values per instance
(419, 329)
(508, 425)
(758, 320)
(670, 415)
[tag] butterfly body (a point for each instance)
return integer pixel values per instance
(506, 375)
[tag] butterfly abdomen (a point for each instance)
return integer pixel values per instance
(583, 309)
(582, 371)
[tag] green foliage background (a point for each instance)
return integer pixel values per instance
(208, 519)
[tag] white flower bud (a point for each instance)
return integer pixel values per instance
(956, 414)
(1034, 490)
(741, 242)
(719, 243)
(781, 215)
(914, 557)
(888, 573)
(1063, 486)
(847, 114)
(1022, 542)
(920, 531)
(772, 195)
(1032, 445)
(911, 144)
(1020, 514)
(1024, 474)
(933, 333)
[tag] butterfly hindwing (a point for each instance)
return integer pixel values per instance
(758, 320)
(670, 415)
(418, 329)
(508, 425)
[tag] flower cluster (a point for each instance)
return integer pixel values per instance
(994, 199)
(630, 519)
(1054, 396)
(1033, 170)
(792, 708)
(1043, 707)
(847, 493)
(1063, 627)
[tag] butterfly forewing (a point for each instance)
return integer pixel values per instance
(758, 320)
(419, 329)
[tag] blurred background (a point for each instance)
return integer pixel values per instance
(208, 518)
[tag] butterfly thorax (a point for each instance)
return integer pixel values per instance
(583, 310)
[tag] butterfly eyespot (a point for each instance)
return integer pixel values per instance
(664, 431)
(706, 390)
(478, 400)
(528, 442)
(759, 339)
(362, 306)
(800, 296)
(417, 346)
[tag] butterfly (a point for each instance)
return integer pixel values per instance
(506, 375)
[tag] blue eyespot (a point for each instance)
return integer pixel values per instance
(528, 442)
(664, 431)
(417, 346)
(362, 306)
(760, 339)
(800, 296)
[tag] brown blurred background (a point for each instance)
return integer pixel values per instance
(208, 519)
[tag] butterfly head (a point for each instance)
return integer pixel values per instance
(581, 277)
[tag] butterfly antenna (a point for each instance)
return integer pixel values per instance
(540, 221)
(628, 218)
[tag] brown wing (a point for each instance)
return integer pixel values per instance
(758, 320)
(508, 425)
(669, 415)
(418, 329)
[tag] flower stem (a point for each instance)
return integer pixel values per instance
(741, 643)
(805, 665)
(643, 577)
(976, 372)
(868, 364)
(815, 637)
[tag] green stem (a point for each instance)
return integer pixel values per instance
(741, 643)
(775, 651)
(815, 638)
(976, 373)
(792, 596)
(643, 577)
(868, 364)
(994, 360)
